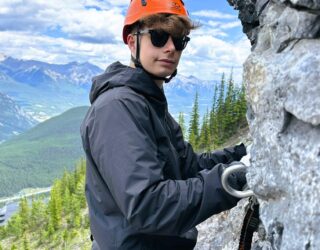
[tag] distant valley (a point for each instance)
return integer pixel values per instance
(41, 154)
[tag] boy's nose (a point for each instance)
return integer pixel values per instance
(170, 45)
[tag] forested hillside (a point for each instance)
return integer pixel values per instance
(60, 223)
(225, 118)
(40, 155)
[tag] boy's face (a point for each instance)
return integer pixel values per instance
(160, 61)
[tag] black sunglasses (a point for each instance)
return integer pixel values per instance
(160, 37)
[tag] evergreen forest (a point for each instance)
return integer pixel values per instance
(60, 222)
(225, 118)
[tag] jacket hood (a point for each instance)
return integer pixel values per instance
(117, 75)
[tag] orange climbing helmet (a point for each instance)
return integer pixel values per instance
(141, 8)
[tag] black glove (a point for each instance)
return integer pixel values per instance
(236, 180)
(235, 153)
(240, 151)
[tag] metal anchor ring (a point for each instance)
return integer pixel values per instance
(230, 190)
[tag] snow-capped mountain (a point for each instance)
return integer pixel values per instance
(36, 72)
(44, 90)
(181, 91)
(13, 120)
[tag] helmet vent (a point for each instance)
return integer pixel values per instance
(144, 2)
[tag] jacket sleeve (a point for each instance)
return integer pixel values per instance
(192, 163)
(124, 148)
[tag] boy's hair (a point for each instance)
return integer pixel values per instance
(175, 25)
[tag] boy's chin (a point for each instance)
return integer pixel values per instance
(165, 74)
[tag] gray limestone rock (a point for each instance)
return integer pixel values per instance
(282, 77)
(248, 17)
(307, 4)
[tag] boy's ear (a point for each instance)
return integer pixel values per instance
(131, 40)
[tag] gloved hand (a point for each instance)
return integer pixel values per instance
(240, 151)
(236, 180)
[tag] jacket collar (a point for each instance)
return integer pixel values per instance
(117, 75)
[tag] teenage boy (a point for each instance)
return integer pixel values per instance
(145, 187)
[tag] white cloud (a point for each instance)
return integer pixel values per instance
(61, 31)
(119, 2)
(82, 20)
(208, 57)
(213, 14)
(92, 24)
(218, 28)
(60, 50)
(224, 25)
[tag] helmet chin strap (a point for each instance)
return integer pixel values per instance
(137, 64)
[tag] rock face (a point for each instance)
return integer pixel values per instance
(282, 77)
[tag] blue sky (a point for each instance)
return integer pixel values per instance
(221, 5)
(61, 31)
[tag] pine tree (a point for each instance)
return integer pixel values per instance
(79, 183)
(55, 205)
(213, 114)
(26, 245)
(24, 212)
(14, 226)
(205, 139)
(66, 201)
(79, 192)
(243, 106)
(182, 124)
(50, 229)
(76, 209)
(230, 117)
(65, 181)
(202, 134)
(221, 112)
(207, 143)
(37, 213)
(240, 108)
(192, 140)
(194, 124)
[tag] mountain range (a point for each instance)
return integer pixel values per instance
(42, 90)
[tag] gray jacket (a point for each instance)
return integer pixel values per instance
(145, 187)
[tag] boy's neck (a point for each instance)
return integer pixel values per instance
(159, 83)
